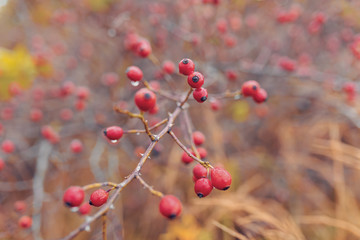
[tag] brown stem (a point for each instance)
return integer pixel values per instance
(151, 128)
(178, 142)
(104, 218)
(98, 185)
(139, 116)
(150, 188)
(161, 92)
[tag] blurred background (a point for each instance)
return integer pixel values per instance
(295, 159)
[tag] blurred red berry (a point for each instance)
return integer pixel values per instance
(198, 138)
(170, 206)
(74, 196)
(199, 171)
(203, 187)
(220, 178)
(134, 73)
(25, 222)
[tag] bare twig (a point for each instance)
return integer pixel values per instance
(204, 163)
(150, 188)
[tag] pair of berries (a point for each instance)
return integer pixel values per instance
(252, 88)
(74, 197)
(220, 179)
(195, 79)
(144, 99)
(185, 158)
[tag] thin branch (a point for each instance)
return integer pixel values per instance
(178, 142)
(167, 95)
(139, 116)
(104, 218)
(150, 188)
(151, 128)
(99, 185)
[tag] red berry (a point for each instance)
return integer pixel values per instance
(287, 64)
(145, 99)
(2, 164)
(170, 206)
(134, 73)
(199, 171)
(249, 88)
(186, 66)
(220, 178)
(168, 67)
(203, 187)
(109, 79)
(200, 94)
(85, 208)
(80, 105)
(67, 88)
(20, 206)
(99, 197)
(8, 146)
(222, 25)
(113, 133)
(202, 152)
(154, 110)
(66, 114)
(143, 48)
(74, 196)
(231, 75)
(195, 80)
(76, 146)
(215, 104)
(82, 93)
(349, 87)
(25, 222)
(36, 114)
(185, 158)
(198, 138)
(260, 96)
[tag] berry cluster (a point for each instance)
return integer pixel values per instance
(195, 79)
(252, 89)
